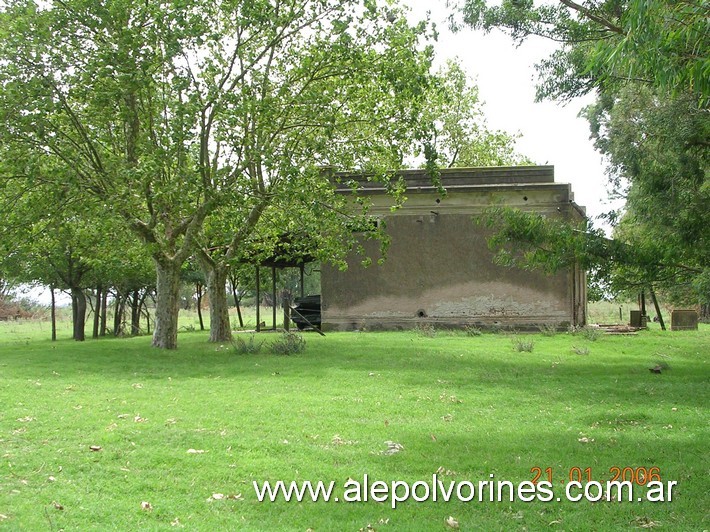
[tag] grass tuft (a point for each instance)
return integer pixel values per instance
(288, 344)
(523, 345)
(246, 347)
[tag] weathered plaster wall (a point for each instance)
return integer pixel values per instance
(439, 269)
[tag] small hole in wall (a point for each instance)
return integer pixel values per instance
(421, 313)
(525, 198)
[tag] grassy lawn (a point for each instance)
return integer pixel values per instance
(465, 407)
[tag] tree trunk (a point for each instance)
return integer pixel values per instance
(216, 275)
(54, 315)
(135, 314)
(198, 293)
(143, 309)
(118, 314)
(78, 301)
(97, 313)
(104, 301)
(167, 304)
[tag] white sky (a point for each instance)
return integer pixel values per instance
(506, 78)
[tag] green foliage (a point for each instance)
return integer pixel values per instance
(604, 45)
(532, 241)
(189, 123)
(548, 329)
(658, 159)
(460, 135)
(425, 330)
(473, 331)
(246, 347)
(523, 345)
(591, 333)
(650, 64)
(288, 343)
(582, 351)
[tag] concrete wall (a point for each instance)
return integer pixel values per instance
(438, 268)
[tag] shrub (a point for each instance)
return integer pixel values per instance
(591, 333)
(246, 347)
(521, 345)
(472, 330)
(547, 329)
(425, 330)
(289, 344)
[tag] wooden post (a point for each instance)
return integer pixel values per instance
(273, 296)
(97, 313)
(104, 310)
(658, 309)
(302, 267)
(54, 315)
(258, 296)
(287, 311)
(236, 301)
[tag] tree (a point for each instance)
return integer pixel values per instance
(649, 63)
(352, 100)
(167, 113)
(460, 135)
(657, 148)
(606, 44)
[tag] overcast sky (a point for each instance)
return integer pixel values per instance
(505, 75)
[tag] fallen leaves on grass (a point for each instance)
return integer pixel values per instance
(196, 451)
(3, 517)
(175, 522)
(57, 506)
(447, 417)
(584, 439)
(146, 506)
(337, 440)
(392, 448)
(446, 472)
(25, 419)
(139, 419)
(645, 522)
(95, 448)
(450, 398)
(222, 497)
(451, 522)
(137, 385)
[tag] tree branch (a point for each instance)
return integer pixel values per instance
(596, 18)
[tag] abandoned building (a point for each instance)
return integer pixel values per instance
(439, 270)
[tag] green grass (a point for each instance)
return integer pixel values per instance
(469, 406)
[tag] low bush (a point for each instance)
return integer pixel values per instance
(246, 347)
(289, 344)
